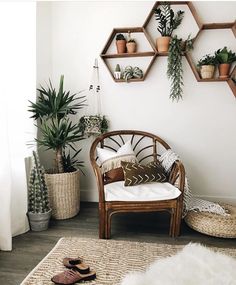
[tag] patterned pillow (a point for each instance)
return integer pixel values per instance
(112, 159)
(135, 173)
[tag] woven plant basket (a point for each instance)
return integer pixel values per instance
(213, 224)
(64, 194)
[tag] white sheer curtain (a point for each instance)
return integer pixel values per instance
(17, 77)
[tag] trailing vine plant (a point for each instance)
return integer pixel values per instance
(174, 67)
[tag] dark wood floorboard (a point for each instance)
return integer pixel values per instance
(30, 248)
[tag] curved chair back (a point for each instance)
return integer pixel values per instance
(147, 146)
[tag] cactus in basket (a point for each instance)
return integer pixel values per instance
(38, 192)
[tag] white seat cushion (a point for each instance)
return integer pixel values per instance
(153, 191)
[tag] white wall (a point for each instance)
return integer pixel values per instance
(201, 128)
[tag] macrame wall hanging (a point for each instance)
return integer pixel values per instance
(94, 123)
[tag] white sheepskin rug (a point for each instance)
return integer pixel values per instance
(193, 265)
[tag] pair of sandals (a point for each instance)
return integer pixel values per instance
(78, 272)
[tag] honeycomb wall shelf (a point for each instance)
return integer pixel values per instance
(154, 54)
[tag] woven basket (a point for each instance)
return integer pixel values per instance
(213, 224)
(64, 194)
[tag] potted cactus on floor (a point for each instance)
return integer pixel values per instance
(39, 211)
(58, 133)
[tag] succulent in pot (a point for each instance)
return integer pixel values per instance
(206, 66)
(117, 73)
(224, 58)
(132, 72)
(120, 43)
(131, 44)
(168, 21)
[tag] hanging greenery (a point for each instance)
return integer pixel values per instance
(93, 125)
(174, 67)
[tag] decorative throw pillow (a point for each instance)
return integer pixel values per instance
(112, 159)
(114, 175)
(135, 173)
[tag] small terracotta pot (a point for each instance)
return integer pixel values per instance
(163, 43)
(207, 71)
(131, 47)
(121, 46)
(224, 70)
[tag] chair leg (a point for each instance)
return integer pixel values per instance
(178, 221)
(172, 223)
(107, 225)
(101, 221)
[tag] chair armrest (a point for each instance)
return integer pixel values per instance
(177, 175)
(99, 180)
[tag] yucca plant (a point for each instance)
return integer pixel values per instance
(52, 111)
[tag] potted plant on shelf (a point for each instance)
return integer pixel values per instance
(132, 72)
(206, 66)
(120, 43)
(174, 66)
(131, 44)
(59, 133)
(167, 23)
(224, 58)
(39, 211)
(117, 73)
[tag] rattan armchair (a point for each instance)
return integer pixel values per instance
(148, 147)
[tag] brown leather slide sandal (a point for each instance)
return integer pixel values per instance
(70, 277)
(77, 264)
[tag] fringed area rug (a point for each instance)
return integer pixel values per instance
(111, 259)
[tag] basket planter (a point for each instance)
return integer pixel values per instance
(64, 194)
(39, 221)
(207, 71)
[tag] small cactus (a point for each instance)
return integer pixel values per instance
(120, 37)
(38, 192)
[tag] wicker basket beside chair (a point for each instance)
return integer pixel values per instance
(213, 224)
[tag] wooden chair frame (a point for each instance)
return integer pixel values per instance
(108, 208)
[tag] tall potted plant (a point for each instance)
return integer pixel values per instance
(224, 58)
(39, 212)
(168, 21)
(58, 133)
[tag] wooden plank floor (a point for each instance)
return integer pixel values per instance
(30, 248)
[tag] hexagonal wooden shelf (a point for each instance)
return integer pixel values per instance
(191, 9)
(154, 53)
(214, 26)
(105, 56)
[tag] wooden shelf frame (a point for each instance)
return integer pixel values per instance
(213, 26)
(106, 56)
(187, 3)
(155, 54)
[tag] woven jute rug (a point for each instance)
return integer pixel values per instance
(109, 258)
